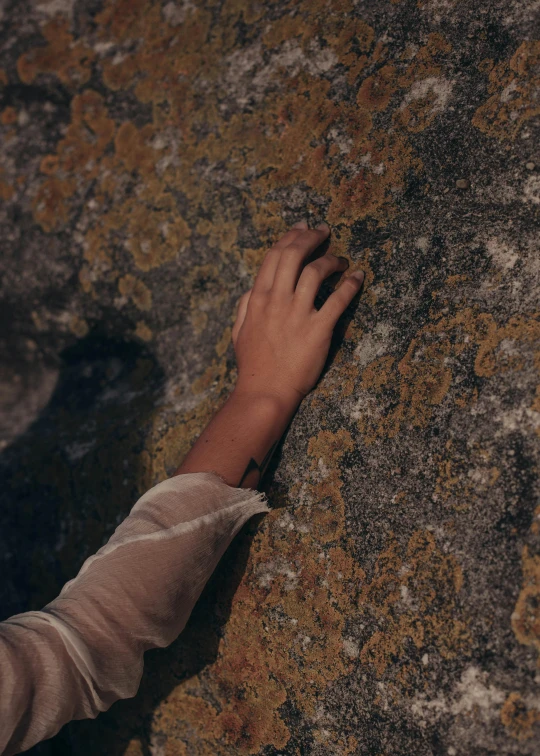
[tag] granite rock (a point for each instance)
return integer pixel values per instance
(151, 152)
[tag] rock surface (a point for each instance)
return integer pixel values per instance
(151, 152)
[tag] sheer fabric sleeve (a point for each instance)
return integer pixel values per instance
(84, 650)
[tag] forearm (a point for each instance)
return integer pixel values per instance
(85, 649)
(240, 439)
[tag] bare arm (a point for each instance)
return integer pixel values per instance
(240, 439)
(281, 343)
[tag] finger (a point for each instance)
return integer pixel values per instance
(293, 257)
(265, 277)
(312, 277)
(338, 301)
(240, 314)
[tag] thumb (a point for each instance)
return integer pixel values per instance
(240, 314)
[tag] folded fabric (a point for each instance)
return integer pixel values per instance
(84, 650)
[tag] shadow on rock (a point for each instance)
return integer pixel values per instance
(69, 479)
(72, 476)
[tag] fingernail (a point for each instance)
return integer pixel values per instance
(358, 274)
(301, 224)
(323, 227)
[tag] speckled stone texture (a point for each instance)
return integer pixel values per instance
(150, 154)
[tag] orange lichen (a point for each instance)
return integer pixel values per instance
(89, 133)
(376, 91)
(295, 127)
(49, 206)
(418, 114)
(426, 61)
(286, 28)
(8, 116)
(156, 77)
(223, 343)
(136, 290)
(404, 596)
(427, 89)
(77, 159)
(518, 718)
(339, 384)
(404, 392)
(215, 372)
(78, 326)
(143, 331)
(526, 616)
(156, 233)
(205, 290)
(364, 36)
(371, 192)
(133, 150)
(63, 56)
(490, 359)
(310, 594)
(511, 85)
(464, 476)
(7, 191)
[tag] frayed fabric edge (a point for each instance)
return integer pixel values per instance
(259, 496)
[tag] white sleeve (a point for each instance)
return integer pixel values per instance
(84, 650)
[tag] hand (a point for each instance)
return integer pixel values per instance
(280, 339)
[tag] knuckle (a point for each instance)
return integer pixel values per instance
(257, 300)
(274, 307)
(314, 269)
(333, 258)
(323, 264)
(296, 249)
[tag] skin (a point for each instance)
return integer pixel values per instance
(281, 343)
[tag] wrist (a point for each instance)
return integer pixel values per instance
(239, 440)
(283, 404)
